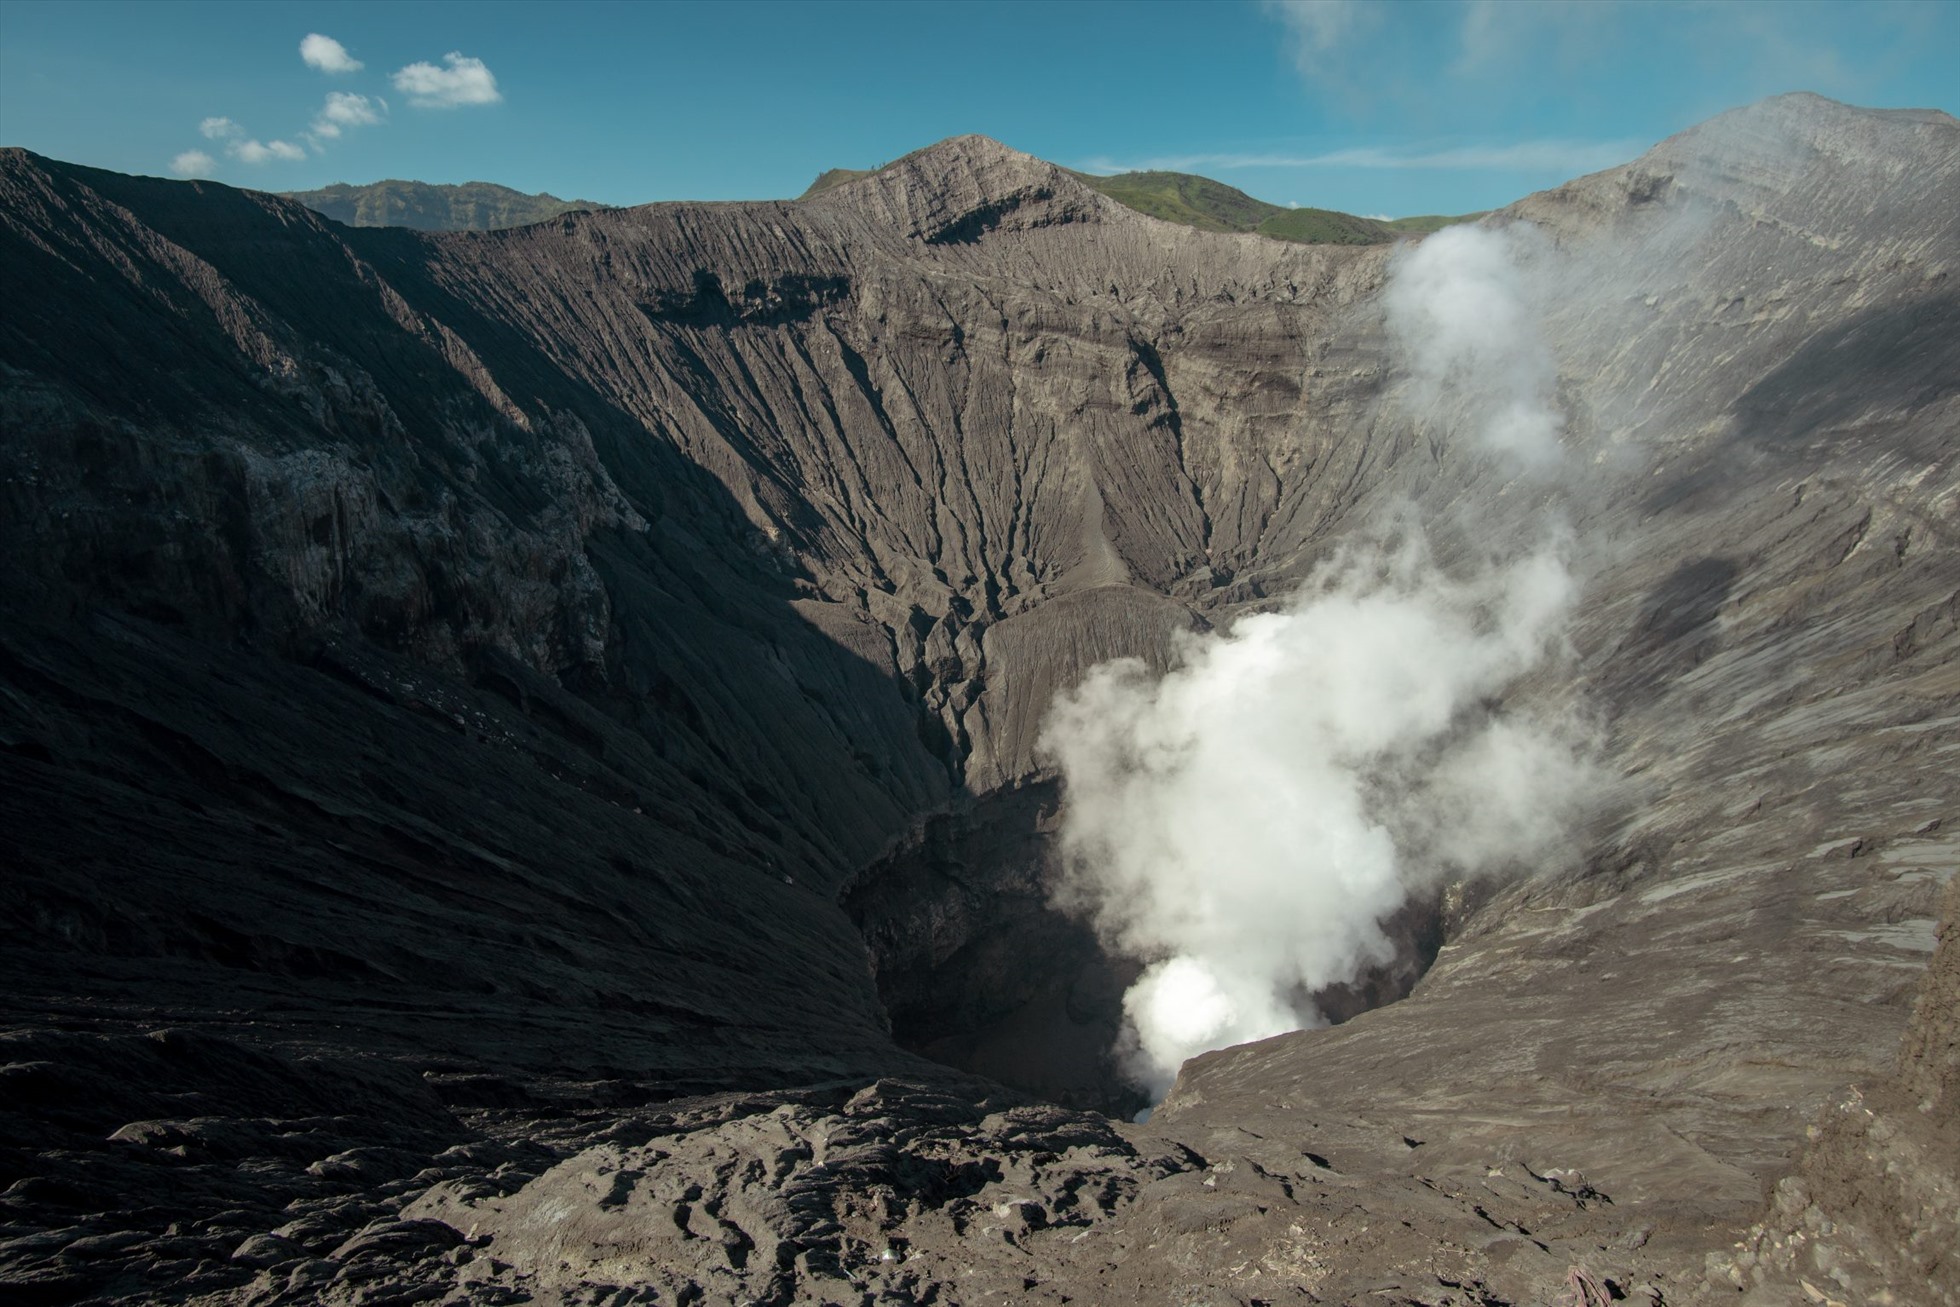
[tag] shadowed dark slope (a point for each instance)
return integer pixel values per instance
(290, 460)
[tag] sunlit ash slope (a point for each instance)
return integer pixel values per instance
(511, 737)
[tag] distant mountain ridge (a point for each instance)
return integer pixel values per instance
(1194, 201)
(428, 206)
(1183, 198)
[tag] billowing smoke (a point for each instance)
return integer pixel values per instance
(1246, 821)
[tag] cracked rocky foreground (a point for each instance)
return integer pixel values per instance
(519, 776)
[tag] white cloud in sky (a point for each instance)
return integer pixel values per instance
(1501, 43)
(344, 109)
(327, 55)
(194, 163)
(340, 111)
(1482, 61)
(461, 81)
(1481, 40)
(257, 152)
(1565, 157)
(1316, 29)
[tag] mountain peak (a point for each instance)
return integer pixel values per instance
(1775, 131)
(955, 190)
(1802, 160)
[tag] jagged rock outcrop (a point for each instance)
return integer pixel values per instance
(457, 683)
(1875, 1201)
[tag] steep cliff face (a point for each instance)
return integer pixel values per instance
(518, 667)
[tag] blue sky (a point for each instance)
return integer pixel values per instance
(1382, 109)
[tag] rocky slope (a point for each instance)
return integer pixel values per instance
(473, 705)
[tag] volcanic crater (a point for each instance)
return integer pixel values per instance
(524, 773)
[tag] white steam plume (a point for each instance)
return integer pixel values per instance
(1245, 822)
(1463, 322)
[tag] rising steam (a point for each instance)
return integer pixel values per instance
(1247, 820)
(1467, 334)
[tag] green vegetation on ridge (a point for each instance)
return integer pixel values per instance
(1423, 224)
(1182, 198)
(1213, 206)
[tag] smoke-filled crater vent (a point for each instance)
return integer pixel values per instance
(979, 969)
